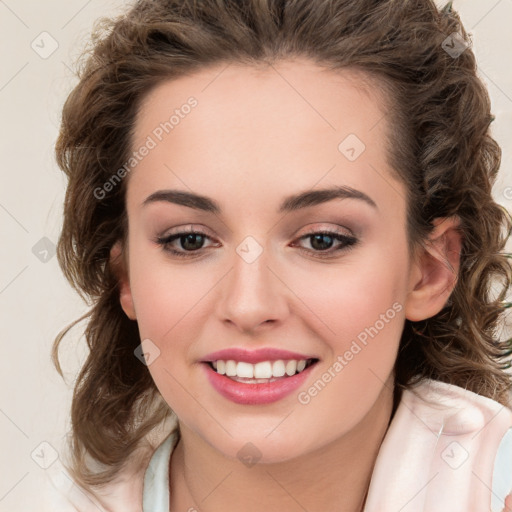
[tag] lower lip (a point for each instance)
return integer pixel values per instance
(255, 394)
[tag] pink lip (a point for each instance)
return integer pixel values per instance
(255, 394)
(254, 356)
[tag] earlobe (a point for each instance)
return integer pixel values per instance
(118, 265)
(434, 272)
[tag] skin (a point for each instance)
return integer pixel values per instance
(253, 140)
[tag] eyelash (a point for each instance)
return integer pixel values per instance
(348, 243)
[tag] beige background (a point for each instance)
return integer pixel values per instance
(35, 300)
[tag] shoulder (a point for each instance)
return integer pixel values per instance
(452, 410)
(123, 494)
(435, 391)
(446, 448)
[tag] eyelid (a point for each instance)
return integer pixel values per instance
(184, 229)
(309, 230)
(346, 241)
(321, 226)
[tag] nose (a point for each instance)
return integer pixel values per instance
(253, 295)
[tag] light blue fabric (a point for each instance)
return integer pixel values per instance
(155, 497)
(502, 474)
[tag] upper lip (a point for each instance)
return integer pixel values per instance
(254, 356)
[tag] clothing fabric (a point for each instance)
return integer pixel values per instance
(446, 449)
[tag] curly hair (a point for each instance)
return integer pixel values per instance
(440, 147)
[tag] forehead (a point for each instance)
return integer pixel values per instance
(259, 129)
(333, 99)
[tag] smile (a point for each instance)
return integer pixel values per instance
(259, 376)
(261, 372)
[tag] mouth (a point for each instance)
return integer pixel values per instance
(257, 377)
(262, 372)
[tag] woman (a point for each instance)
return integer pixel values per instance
(282, 213)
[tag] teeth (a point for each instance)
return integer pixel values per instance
(262, 370)
(278, 369)
(291, 367)
(245, 370)
(231, 368)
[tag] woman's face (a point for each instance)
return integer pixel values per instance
(257, 147)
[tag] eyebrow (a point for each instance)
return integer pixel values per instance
(291, 203)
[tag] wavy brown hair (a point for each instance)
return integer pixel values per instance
(438, 117)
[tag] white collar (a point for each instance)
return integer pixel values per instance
(155, 496)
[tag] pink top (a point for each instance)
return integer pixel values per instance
(446, 450)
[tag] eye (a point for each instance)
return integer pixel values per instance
(190, 241)
(323, 241)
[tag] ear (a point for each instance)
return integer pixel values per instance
(434, 271)
(119, 267)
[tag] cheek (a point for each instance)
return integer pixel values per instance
(173, 305)
(164, 295)
(170, 313)
(349, 299)
(364, 317)
(359, 310)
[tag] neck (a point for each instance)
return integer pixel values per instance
(333, 477)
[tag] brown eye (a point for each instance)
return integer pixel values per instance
(189, 243)
(321, 241)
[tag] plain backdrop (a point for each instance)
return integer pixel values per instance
(40, 42)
